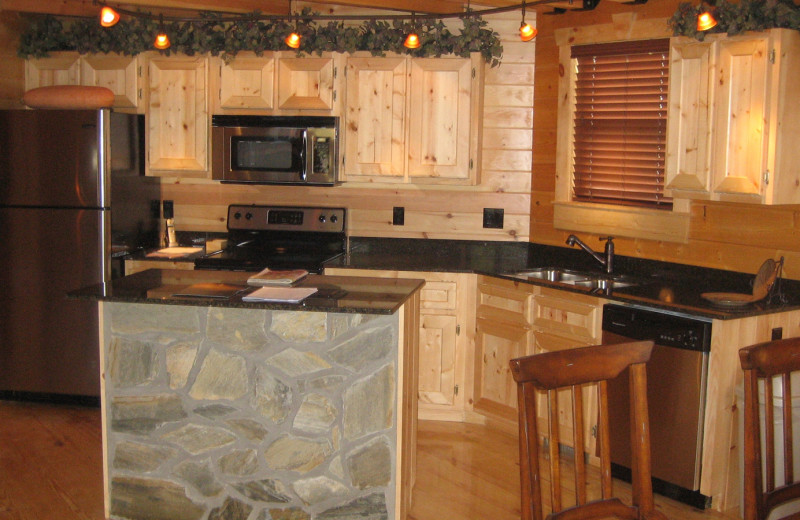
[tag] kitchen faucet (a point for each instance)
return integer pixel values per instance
(608, 261)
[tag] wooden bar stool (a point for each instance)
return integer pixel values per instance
(573, 368)
(763, 362)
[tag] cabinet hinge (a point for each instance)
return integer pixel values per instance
(458, 330)
(335, 72)
(766, 178)
(139, 71)
(470, 163)
(473, 73)
(140, 93)
(772, 56)
(334, 95)
(594, 431)
(455, 390)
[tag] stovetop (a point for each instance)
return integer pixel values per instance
(279, 237)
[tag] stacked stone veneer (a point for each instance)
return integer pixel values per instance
(248, 414)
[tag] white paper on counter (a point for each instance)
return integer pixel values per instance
(279, 294)
(174, 252)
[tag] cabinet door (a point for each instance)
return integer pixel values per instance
(306, 83)
(248, 82)
(741, 118)
(177, 116)
(120, 74)
(375, 125)
(688, 160)
(437, 356)
(439, 111)
(62, 68)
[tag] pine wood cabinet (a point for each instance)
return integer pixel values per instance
(733, 118)
(504, 330)
(412, 120)
(121, 74)
(247, 82)
(446, 340)
(177, 118)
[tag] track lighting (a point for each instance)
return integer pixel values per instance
(108, 16)
(293, 40)
(412, 40)
(526, 32)
(705, 21)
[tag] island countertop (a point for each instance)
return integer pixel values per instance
(347, 294)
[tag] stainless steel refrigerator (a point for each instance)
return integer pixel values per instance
(59, 170)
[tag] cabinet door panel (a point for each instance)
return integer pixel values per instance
(177, 115)
(688, 161)
(375, 126)
(61, 69)
(247, 82)
(120, 74)
(437, 353)
(741, 117)
(439, 118)
(305, 83)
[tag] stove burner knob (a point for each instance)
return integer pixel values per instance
(334, 219)
(237, 215)
(248, 215)
(322, 218)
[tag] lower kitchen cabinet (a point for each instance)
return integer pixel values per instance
(504, 330)
(447, 325)
(135, 266)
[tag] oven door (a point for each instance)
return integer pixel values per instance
(268, 155)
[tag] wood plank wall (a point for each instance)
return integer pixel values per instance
(722, 235)
(12, 69)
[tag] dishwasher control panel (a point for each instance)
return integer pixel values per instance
(664, 328)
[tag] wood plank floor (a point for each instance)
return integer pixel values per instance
(51, 469)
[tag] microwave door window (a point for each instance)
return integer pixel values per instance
(262, 155)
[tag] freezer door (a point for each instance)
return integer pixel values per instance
(49, 158)
(48, 343)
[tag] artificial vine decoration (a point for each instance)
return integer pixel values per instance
(213, 36)
(747, 15)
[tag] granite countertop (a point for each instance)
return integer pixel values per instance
(662, 285)
(346, 294)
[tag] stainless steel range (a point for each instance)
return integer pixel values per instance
(279, 237)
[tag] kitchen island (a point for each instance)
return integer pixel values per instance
(218, 408)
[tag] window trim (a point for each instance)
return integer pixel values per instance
(618, 220)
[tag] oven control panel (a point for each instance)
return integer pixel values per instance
(286, 218)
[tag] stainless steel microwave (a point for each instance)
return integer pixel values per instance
(275, 149)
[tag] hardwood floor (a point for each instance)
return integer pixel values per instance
(51, 469)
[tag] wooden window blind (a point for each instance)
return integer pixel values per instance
(621, 123)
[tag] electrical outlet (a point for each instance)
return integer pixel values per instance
(777, 333)
(493, 218)
(398, 216)
(168, 209)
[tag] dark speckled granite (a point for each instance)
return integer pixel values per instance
(664, 285)
(334, 293)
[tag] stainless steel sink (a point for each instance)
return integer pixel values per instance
(589, 280)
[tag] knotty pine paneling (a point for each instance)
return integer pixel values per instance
(12, 68)
(721, 235)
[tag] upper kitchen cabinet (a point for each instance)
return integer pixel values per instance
(245, 83)
(732, 138)
(277, 83)
(121, 74)
(177, 116)
(412, 120)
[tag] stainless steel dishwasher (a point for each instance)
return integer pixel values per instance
(676, 386)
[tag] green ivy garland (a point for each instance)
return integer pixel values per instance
(210, 35)
(747, 15)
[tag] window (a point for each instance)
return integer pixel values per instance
(620, 123)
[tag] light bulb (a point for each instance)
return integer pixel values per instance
(526, 32)
(108, 17)
(162, 41)
(412, 41)
(293, 40)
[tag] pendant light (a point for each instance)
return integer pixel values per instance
(108, 16)
(412, 40)
(162, 40)
(705, 20)
(293, 40)
(526, 31)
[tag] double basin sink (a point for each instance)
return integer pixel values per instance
(584, 279)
